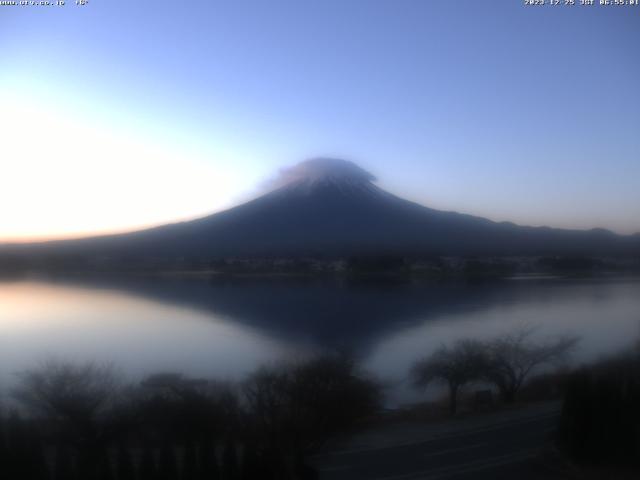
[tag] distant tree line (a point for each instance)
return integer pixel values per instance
(429, 265)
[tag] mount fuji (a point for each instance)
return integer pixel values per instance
(332, 207)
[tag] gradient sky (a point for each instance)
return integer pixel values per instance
(125, 114)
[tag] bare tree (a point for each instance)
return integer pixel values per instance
(456, 366)
(513, 356)
(190, 408)
(76, 399)
(67, 391)
(302, 405)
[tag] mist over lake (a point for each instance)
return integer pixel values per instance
(225, 329)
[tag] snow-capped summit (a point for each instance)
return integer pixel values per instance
(326, 169)
(323, 173)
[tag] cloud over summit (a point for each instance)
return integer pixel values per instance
(321, 168)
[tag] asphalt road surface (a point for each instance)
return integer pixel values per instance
(495, 446)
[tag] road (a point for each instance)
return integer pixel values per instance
(495, 446)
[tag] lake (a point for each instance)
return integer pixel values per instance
(225, 328)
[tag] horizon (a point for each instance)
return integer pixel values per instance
(167, 114)
(284, 177)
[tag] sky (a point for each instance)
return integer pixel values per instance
(119, 115)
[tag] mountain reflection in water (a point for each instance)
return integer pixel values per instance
(226, 327)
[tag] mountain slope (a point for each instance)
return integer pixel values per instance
(332, 207)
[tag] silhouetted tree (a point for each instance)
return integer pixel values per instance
(168, 467)
(63, 464)
(512, 357)
(99, 430)
(73, 399)
(302, 405)
(24, 451)
(600, 417)
(464, 362)
(190, 467)
(124, 464)
(184, 408)
(147, 469)
(4, 454)
(252, 467)
(76, 393)
(295, 408)
(103, 467)
(230, 461)
(209, 467)
(304, 471)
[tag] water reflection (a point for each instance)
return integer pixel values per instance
(140, 335)
(224, 328)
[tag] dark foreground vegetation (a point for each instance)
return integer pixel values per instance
(600, 420)
(80, 422)
(68, 421)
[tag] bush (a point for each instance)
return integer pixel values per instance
(600, 420)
